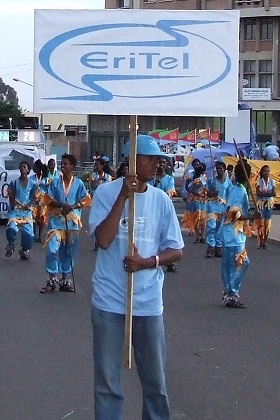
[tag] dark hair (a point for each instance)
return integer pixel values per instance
(72, 159)
(199, 170)
(101, 161)
(261, 170)
(239, 172)
(42, 168)
(195, 160)
(219, 162)
(230, 167)
(120, 169)
(50, 160)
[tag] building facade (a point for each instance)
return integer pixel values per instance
(259, 74)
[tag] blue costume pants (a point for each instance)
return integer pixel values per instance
(213, 236)
(148, 341)
(232, 275)
(27, 235)
(58, 254)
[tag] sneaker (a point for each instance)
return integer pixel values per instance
(171, 268)
(9, 250)
(235, 302)
(50, 286)
(210, 252)
(24, 254)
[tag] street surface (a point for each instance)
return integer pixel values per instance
(223, 364)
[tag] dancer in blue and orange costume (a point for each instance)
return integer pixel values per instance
(40, 211)
(52, 171)
(99, 176)
(234, 229)
(66, 197)
(219, 187)
(265, 190)
(187, 196)
(166, 183)
(21, 193)
(195, 220)
(162, 180)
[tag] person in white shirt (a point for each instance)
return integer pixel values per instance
(270, 152)
(158, 242)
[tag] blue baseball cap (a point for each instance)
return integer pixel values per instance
(145, 145)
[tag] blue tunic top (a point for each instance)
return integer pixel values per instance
(23, 196)
(76, 193)
(232, 234)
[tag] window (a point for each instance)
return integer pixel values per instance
(265, 73)
(249, 72)
(266, 30)
(249, 29)
(123, 4)
(78, 128)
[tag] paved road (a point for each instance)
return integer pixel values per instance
(223, 364)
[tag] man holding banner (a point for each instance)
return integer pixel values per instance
(158, 242)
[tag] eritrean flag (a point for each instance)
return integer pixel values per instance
(203, 134)
(214, 137)
(169, 136)
(154, 134)
(187, 137)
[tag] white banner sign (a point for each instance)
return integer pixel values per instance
(136, 62)
(256, 94)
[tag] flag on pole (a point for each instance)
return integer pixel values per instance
(154, 134)
(203, 134)
(214, 137)
(169, 136)
(187, 137)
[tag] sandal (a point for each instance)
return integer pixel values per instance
(48, 288)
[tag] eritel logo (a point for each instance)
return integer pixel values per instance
(170, 58)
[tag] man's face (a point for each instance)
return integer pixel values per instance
(24, 169)
(66, 166)
(146, 167)
(162, 164)
(220, 170)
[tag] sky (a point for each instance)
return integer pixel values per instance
(17, 40)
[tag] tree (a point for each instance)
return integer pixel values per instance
(9, 107)
(10, 111)
(8, 94)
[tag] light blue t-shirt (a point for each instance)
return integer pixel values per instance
(237, 198)
(156, 228)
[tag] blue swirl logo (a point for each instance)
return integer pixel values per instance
(171, 60)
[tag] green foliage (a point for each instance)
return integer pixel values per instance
(9, 110)
(8, 94)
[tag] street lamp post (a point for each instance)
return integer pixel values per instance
(22, 81)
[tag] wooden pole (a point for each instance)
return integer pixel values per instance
(131, 216)
(246, 175)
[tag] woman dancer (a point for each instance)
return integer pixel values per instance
(265, 190)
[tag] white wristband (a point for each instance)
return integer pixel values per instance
(157, 261)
